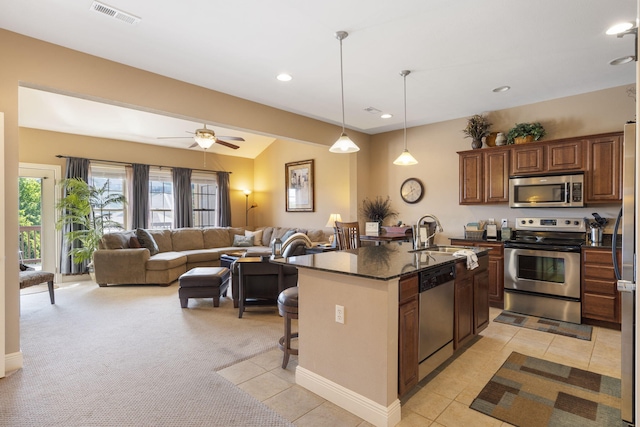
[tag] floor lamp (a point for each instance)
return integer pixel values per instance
(246, 207)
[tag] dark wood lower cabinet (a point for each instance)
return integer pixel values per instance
(471, 307)
(496, 268)
(408, 328)
(600, 296)
(471, 315)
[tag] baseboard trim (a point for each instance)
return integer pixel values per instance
(13, 362)
(353, 402)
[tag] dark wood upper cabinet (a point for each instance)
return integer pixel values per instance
(566, 156)
(484, 174)
(604, 175)
(527, 159)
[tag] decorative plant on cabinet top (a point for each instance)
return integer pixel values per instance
(477, 128)
(525, 132)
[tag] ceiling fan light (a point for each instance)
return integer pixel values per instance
(405, 159)
(344, 145)
(205, 141)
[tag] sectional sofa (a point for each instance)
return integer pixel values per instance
(132, 257)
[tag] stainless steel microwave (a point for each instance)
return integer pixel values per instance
(549, 191)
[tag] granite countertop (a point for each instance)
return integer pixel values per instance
(384, 262)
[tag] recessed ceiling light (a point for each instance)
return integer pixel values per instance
(386, 116)
(502, 89)
(284, 77)
(621, 60)
(619, 28)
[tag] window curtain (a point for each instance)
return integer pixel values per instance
(183, 210)
(76, 168)
(224, 200)
(140, 196)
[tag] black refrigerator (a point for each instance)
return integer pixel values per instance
(626, 226)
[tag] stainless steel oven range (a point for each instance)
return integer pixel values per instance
(542, 268)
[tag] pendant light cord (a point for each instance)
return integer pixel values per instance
(404, 78)
(342, 85)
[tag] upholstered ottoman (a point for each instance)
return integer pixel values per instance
(203, 282)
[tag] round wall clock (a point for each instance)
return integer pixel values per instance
(411, 190)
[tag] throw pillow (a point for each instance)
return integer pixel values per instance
(257, 236)
(242, 241)
(288, 234)
(134, 242)
(147, 241)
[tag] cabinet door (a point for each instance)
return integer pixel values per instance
(463, 313)
(496, 176)
(565, 156)
(496, 273)
(526, 159)
(470, 179)
(604, 170)
(480, 301)
(408, 345)
(408, 334)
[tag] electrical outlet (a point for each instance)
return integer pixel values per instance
(339, 314)
(504, 223)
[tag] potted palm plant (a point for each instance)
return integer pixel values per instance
(476, 129)
(525, 132)
(83, 211)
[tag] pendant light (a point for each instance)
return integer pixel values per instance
(405, 159)
(343, 144)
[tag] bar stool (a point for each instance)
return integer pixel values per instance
(288, 308)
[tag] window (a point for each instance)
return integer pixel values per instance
(160, 198)
(112, 179)
(204, 187)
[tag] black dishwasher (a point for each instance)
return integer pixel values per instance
(436, 317)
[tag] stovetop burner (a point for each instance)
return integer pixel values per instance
(549, 232)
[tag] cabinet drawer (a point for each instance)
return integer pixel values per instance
(598, 272)
(408, 287)
(600, 287)
(599, 307)
(597, 257)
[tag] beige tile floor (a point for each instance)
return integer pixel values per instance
(441, 399)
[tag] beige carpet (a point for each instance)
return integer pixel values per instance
(130, 356)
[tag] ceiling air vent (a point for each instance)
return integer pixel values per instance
(372, 110)
(114, 13)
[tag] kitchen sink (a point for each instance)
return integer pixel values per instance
(441, 249)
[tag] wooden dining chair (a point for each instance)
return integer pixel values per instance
(348, 235)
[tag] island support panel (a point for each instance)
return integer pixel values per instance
(355, 364)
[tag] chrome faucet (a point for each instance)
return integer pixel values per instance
(416, 234)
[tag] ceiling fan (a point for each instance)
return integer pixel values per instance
(205, 138)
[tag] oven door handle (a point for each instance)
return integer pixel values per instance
(567, 192)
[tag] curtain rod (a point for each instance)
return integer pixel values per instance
(60, 156)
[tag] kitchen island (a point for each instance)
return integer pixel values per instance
(349, 324)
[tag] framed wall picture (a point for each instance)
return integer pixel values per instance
(299, 183)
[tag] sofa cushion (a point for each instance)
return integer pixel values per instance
(163, 239)
(117, 240)
(217, 237)
(201, 255)
(166, 260)
(257, 236)
(266, 235)
(147, 241)
(235, 231)
(243, 241)
(316, 235)
(134, 243)
(185, 239)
